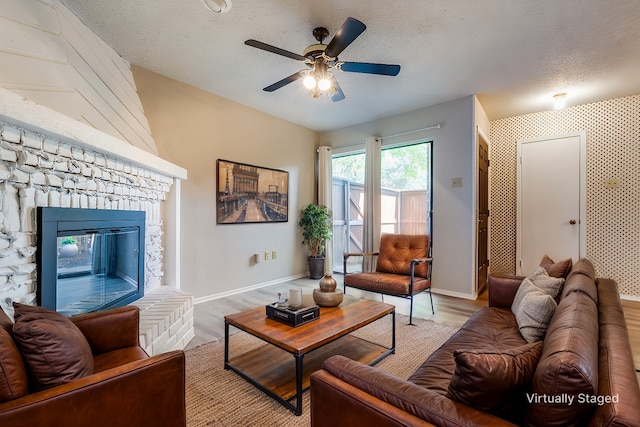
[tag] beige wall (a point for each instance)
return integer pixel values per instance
(453, 157)
(193, 129)
(613, 215)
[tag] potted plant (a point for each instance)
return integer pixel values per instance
(317, 227)
(68, 247)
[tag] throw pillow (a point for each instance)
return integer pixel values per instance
(542, 279)
(53, 348)
(495, 381)
(533, 309)
(13, 375)
(557, 269)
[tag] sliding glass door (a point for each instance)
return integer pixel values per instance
(406, 199)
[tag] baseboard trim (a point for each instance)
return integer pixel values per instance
(454, 294)
(630, 297)
(246, 288)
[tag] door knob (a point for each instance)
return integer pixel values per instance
(572, 222)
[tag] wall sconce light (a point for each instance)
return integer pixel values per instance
(217, 6)
(559, 101)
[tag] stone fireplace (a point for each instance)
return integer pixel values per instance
(49, 160)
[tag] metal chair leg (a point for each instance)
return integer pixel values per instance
(411, 312)
(431, 298)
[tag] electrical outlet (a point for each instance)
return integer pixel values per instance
(456, 182)
(612, 183)
(274, 254)
(267, 256)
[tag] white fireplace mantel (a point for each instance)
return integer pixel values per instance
(18, 112)
(30, 115)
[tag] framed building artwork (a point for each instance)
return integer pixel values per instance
(251, 194)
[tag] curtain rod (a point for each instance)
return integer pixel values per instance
(438, 126)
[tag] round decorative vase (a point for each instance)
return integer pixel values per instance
(68, 250)
(328, 283)
(327, 295)
(327, 299)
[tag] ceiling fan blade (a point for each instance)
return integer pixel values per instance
(339, 95)
(273, 49)
(369, 68)
(349, 31)
(285, 81)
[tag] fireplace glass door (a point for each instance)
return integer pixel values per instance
(96, 268)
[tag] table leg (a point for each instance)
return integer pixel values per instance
(393, 332)
(299, 374)
(226, 345)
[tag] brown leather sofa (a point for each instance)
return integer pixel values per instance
(582, 373)
(124, 387)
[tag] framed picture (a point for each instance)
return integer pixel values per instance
(250, 194)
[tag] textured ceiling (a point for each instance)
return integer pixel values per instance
(514, 54)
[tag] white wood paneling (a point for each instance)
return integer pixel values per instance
(30, 12)
(52, 58)
(21, 39)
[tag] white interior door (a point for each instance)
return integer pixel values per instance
(551, 216)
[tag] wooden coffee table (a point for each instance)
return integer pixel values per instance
(271, 368)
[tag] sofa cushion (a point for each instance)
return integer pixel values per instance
(583, 284)
(13, 375)
(53, 348)
(585, 267)
(551, 285)
(495, 381)
(495, 325)
(582, 279)
(568, 366)
(533, 309)
(5, 322)
(559, 269)
(113, 359)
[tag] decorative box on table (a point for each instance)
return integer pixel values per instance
(293, 317)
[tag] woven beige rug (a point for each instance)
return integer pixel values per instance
(216, 397)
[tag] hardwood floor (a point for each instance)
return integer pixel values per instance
(209, 316)
(631, 311)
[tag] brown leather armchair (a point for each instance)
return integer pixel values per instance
(403, 268)
(127, 386)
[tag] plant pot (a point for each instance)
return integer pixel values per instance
(68, 251)
(316, 267)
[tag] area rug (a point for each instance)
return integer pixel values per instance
(216, 397)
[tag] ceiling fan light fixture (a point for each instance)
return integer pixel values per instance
(324, 83)
(217, 6)
(309, 81)
(315, 92)
(322, 59)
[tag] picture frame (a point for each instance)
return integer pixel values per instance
(248, 194)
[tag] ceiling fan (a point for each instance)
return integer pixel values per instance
(322, 58)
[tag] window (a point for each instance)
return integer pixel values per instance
(406, 199)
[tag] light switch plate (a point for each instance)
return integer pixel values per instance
(612, 183)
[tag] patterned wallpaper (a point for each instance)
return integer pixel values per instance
(613, 215)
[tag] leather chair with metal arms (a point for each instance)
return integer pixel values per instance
(403, 268)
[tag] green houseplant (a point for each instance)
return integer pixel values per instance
(317, 227)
